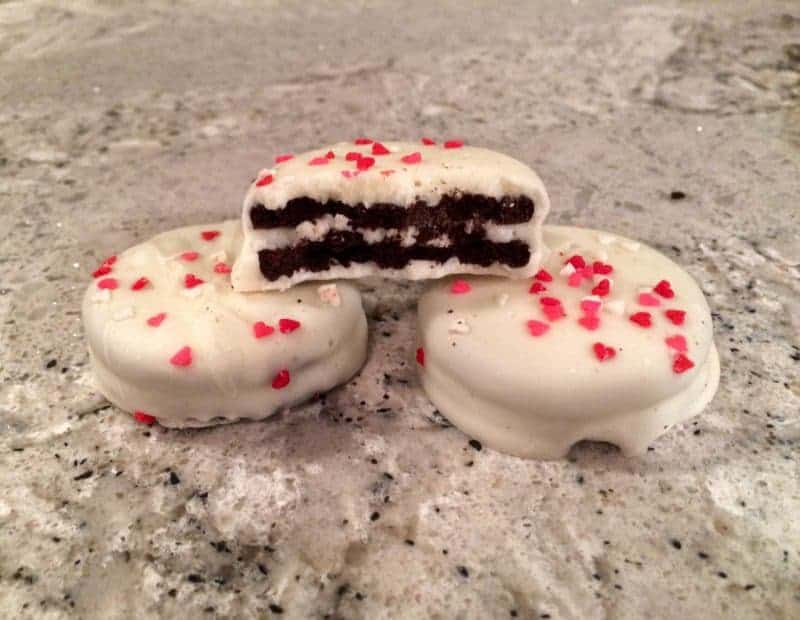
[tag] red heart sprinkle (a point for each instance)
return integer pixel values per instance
(641, 318)
(140, 284)
(664, 289)
(221, 268)
(537, 328)
(190, 256)
(576, 278)
(287, 326)
(536, 288)
(601, 268)
(190, 280)
(363, 141)
(677, 342)
(553, 313)
(353, 156)
(414, 158)
(544, 276)
(281, 379)
(379, 149)
(453, 144)
(681, 364)
(157, 319)
(576, 261)
(458, 287)
(428, 142)
(319, 161)
(365, 163)
(676, 316)
(421, 356)
(603, 288)
(330, 155)
(102, 270)
(589, 321)
(262, 330)
(110, 261)
(591, 306)
(282, 158)
(210, 235)
(182, 358)
(602, 352)
(349, 174)
(265, 180)
(646, 299)
(549, 301)
(108, 283)
(144, 418)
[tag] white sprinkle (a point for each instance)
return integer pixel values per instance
(592, 298)
(219, 257)
(76, 265)
(123, 314)
(329, 294)
(645, 290)
(502, 299)
(102, 296)
(616, 306)
(606, 239)
(193, 292)
(393, 149)
(567, 270)
(459, 326)
(633, 246)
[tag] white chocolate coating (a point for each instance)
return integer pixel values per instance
(440, 171)
(231, 373)
(536, 395)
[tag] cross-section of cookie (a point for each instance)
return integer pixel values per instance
(396, 209)
(609, 341)
(170, 340)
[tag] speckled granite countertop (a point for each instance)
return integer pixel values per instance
(670, 122)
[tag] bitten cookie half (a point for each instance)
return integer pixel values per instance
(171, 341)
(396, 209)
(609, 341)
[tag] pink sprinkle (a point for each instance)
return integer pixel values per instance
(550, 301)
(330, 155)
(589, 321)
(664, 289)
(108, 283)
(601, 268)
(102, 270)
(350, 174)
(591, 306)
(536, 288)
(428, 142)
(575, 279)
(602, 352)
(182, 358)
(190, 256)
(458, 287)
(577, 261)
(140, 284)
(379, 149)
(353, 156)
(537, 328)
(387, 173)
(681, 364)
(677, 342)
(544, 276)
(365, 163)
(677, 317)
(414, 158)
(265, 180)
(646, 299)
(553, 313)
(453, 144)
(144, 418)
(603, 288)
(221, 268)
(287, 326)
(643, 319)
(319, 161)
(421, 356)
(363, 141)
(281, 379)
(262, 330)
(190, 280)
(157, 319)
(282, 158)
(210, 235)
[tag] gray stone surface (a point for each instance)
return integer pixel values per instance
(119, 122)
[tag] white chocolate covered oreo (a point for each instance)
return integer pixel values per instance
(171, 341)
(610, 341)
(396, 209)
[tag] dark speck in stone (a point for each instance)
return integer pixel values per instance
(722, 575)
(375, 516)
(195, 578)
(513, 613)
(463, 571)
(677, 195)
(51, 363)
(702, 555)
(263, 569)
(173, 478)
(750, 586)
(173, 593)
(477, 445)
(276, 609)
(84, 475)
(409, 542)
(676, 543)
(388, 476)
(579, 479)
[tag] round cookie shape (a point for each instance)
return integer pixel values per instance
(610, 341)
(171, 341)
